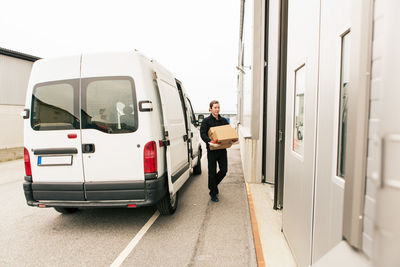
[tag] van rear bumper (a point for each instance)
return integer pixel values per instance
(90, 195)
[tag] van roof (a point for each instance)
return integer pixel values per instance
(136, 52)
(69, 67)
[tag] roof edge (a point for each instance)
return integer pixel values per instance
(15, 54)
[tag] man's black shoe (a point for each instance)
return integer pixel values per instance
(214, 199)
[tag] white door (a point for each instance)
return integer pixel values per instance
(301, 105)
(175, 132)
(334, 77)
(52, 135)
(112, 150)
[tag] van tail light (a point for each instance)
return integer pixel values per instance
(150, 157)
(27, 161)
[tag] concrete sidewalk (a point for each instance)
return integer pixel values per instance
(201, 232)
(222, 230)
(275, 249)
(9, 154)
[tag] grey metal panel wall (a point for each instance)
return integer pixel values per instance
(247, 74)
(14, 76)
(257, 69)
(11, 121)
(373, 158)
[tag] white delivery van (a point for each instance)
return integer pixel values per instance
(107, 130)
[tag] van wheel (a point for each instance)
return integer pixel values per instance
(167, 206)
(65, 210)
(197, 168)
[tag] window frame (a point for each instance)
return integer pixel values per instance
(339, 112)
(193, 116)
(293, 130)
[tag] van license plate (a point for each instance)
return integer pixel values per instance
(54, 160)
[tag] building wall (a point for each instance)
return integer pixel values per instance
(14, 76)
(373, 157)
(385, 85)
(247, 68)
(12, 126)
(251, 73)
(380, 229)
(375, 212)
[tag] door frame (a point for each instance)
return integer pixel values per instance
(265, 95)
(281, 108)
(357, 129)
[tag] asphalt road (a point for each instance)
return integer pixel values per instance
(200, 233)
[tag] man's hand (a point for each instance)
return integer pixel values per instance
(233, 141)
(214, 143)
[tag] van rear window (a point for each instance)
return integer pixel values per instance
(55, 106)
(109, 105)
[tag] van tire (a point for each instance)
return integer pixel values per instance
(66, 210)
(167, 207)
(197, 168)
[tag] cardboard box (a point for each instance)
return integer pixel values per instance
(225, 134)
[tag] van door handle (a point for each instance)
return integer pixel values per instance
(55, 151)
(88, 148)
(185, 138)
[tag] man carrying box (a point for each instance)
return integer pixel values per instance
(216, 152)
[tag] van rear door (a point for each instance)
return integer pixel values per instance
(175, 132)
(52, 135)
(112, 157)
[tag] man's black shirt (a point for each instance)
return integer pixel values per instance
(209, 122)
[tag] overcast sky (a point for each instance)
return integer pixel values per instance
(196, 40)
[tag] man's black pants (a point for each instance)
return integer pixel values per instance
(214, 178)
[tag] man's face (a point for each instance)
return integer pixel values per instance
(215, 110)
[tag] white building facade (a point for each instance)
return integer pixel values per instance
(318, 118)
(15, 69)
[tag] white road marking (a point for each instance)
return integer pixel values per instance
(125, 253)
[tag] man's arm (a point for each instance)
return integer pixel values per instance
(204, 131)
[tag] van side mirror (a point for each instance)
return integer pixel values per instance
(200, 118)
(25, 114)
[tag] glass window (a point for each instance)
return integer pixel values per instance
(344, 85)
(109, 105)
(55, 106)
(191, 113)
(298, 127)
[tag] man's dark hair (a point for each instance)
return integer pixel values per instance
(213, 102)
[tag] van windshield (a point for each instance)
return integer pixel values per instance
(108, 105)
